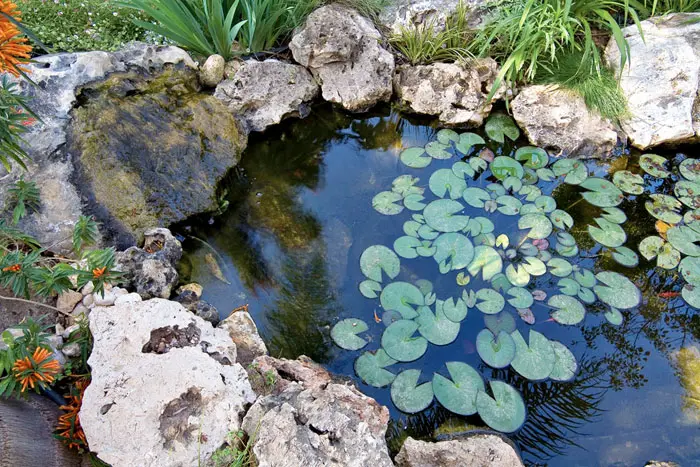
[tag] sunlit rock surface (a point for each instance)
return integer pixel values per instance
(481, 450)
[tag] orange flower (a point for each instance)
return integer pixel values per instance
(40, 368)
(98, 272)
(68, 428)
(14, 50)
(13, 268)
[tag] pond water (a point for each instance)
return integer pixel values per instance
(288, 245)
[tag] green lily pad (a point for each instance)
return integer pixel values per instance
(462, 170)
(437, 150)
(565, 366)
(498, 126)
(576, 171)
(444, 182)
(424, 285)
(503, 167)
(689, 270)
(414, 202)
(691, 295)
(534, 266)
(614, 215)
(400, 343)
(688, 193)
(614, 316)
(458, 395)
(521, 297)
(545, 174)
(654, 165)
(559, 267)
(568, 286)
(386, 203)
(536, 360)
(415, 158)
(487, 260)
(467, 141)
(616, 290)
(629, 182)
(601, 192)
(369, 288)
(607, 233)
(503, 321)
(569, 311)
(455, 310)
(536, 158)
(508, 205)
(561, 219)
(626, 257)
(540, 226)
(441, 216)
(405, 246)
(545, 204)
(476, 197)
(491, 302)
(513, 184)
(517, 275)
(454, 250)
(371, 368)
(690, 169)
(683, 239)
(427, 233)
(665, 208)
(478, 164)
(436, 328)
(378, 258)
(495, 351)
(406, 185)
(446, 136)
(410, 228)
(506, 411)
(407, 395)
(345, 334)
(402, 297)
(585, 277)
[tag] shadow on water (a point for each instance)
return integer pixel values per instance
(288, 245)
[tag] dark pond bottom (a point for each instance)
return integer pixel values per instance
(299, 217)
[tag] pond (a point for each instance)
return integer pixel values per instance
(297, 215)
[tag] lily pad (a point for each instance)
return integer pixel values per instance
(345, 334)
(688, 193)
(405, 185)
(378, 258)
(370, 288)
(455, 310)
(487, 260)
(437, 150)
(683, 239)
(454, 250)
(400, 343)
(458, 395)
(607, 233)
(496, 351)
(476, 197)
(467, 141)
(407, 395)
(506, 411)
(415, 158)
(561, 219)
(414, 202)
(402, 297)
(517, 275)
(503, 321)
(490, 302)
(565, 366)
(508, 205)
(614, 215)
(626, 257)
(559, 267)
(444, 182)
(601, 192)
(441, 215)
(654, 165)
(386, 203)
(575, 171)
(462, 170)
(536, 360)
(436, 328)
(690, 169)
(405, 246)
(665, 208)
(536, 158)
(371, 368)
(691, 295)
(498, 126)
(446, 136)
(503, 167)
(629, 182)
(614, 316)
(616, 290)
(689, 270)
(569, 311)
(540, 226)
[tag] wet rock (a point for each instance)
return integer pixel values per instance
(265, 93)
(661, 80)
(342, 50)
(193, 304)
(311, 420)
(455, 93)
(211, 72)
(193, 287)
(558, 120)
(67, 300)
(244, 333)
(150, 150)
(480, 450)
(152, 408)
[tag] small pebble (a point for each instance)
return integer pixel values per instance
(88, 289)
(71, 350)
(89, 301)
(69, 330)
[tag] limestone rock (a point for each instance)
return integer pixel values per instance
(312, 421)
(409, 13)
(342, 50)
(455, 93)
(152, 56)
(558, 120)
(193, 287)
(153, 405)
(193, 304)
(480, 450)
(244, 333)
(67, 300)
(212, 71)
(661, 80)
(265, 93)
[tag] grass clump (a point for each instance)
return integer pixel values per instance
(368, 8)
(663, 7)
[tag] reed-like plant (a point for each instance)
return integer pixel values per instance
(663, 7)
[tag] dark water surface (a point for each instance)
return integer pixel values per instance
(299, 218)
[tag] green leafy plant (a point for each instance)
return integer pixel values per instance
(268, 21)
(25, 196)
(15, 118)
(368, 8)
(85, 233)
(231, 455)
(663, 7)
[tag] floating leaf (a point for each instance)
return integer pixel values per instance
(545, 204)
(546, 175)
(539, 295)
(536, 158)
(690, 169)
(414, 202)
(405, 185)
(502, 241)
(345, 334)
(517, 275)
(491, 301)
(568, 286)
(536, 360)
(628, 182)
(691, 295)
(437, 150)
(565, 366)
(614, 215)
(389, 317)
(369, 288)
(502, 321)
(476, 197)
(559, 267)
(371, 368)
(436, 328)
(688, 193)
(415, 158)
(607, 234)
(666, 256)
(459, 394)
(626, 257)
(400, 344)
(614, 316)
(487, 260)
(463, 279)
(467, 141)
(427, 233)
(498, 126)
(561, 219)
(503, 167)
(407, 395)
(665, 208)
(444, 181)
(576, 171)
(534, 266)
(462, 170)
(478, 164)
(410, 228)
(378, 258)
(454, 249)
(405, 246)
(568, 310)
(689, 269)
(654, 165)
(495, 351)
(441, 215)
(540, 226)
(683, 239)
(616, 290)
(601, 192)
(454, 310)
(506, 411)
(400, 296)
(385, 203)
(512, 183)
(508, 205)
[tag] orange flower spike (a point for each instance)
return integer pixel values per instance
(14, 50)
(13, 268)
(98, 272)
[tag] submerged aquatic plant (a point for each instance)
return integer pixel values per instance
(495, 272)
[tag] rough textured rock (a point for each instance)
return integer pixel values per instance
(244, 333)
(151, 270)
(481, 450)
(310, 420)
(57, 77)
(661, 81)
(407, 13)
(455, 93)
(558, 120)
(342, 50)
(265, 93)
(212, 71)
(204, 310)
(153, 405)
(67, 300)
(150, 150)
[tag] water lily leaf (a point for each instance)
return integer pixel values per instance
(521, 298)
(402, 297)
(691, 295)
(536, 360)
(498, 126)
(654, 165)
(614, 215)
(462, 170)
(513, 184)
(459, 394)
(487, 239)
(506, 411)
(616, 290)
(436, 328)
(568, 286)
(559, 267)
(446, 136)
(467, 141)
(614, 316)
(586, 296)
(508, 205)
(545, 174)
(500, 283)
(487, 260)
(503, 167)
(565, 366)
(455, 249)
(463, 279)
(601, 192)
(539, 295)
(389, 317)
(534, 266)
(564, 249)
(536, 158)
(665, 208)
(626, 257)
(689, 269)
(478, 164)
(427, 233)
(690, 169)
(345, 334)
(495, 351)
(370, 288)
(565, 239)
(405, 246)
(502, 241)
(443, 182)
(437, 150)
(454, 310)
(576, 171)
(530, 192)
(418, 218)
(629, 182)
(545, 204)
(688, 193)
(529, 248)
(441, 215)
(585, 277)
(415, 158)
(424, 285)
(517, 275)
(491, 301)
(476, 197)
(486, 224)
(568, 310)
(405, 184)
(469, 298)
(400, 343)
(650, 246)
(378, 258)
(371, 368)
(407, 395)
(385, 203)
(561, 219)
(609, 234)
(410, 228)
(414, 202)
(540, 226)
(502, 321)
